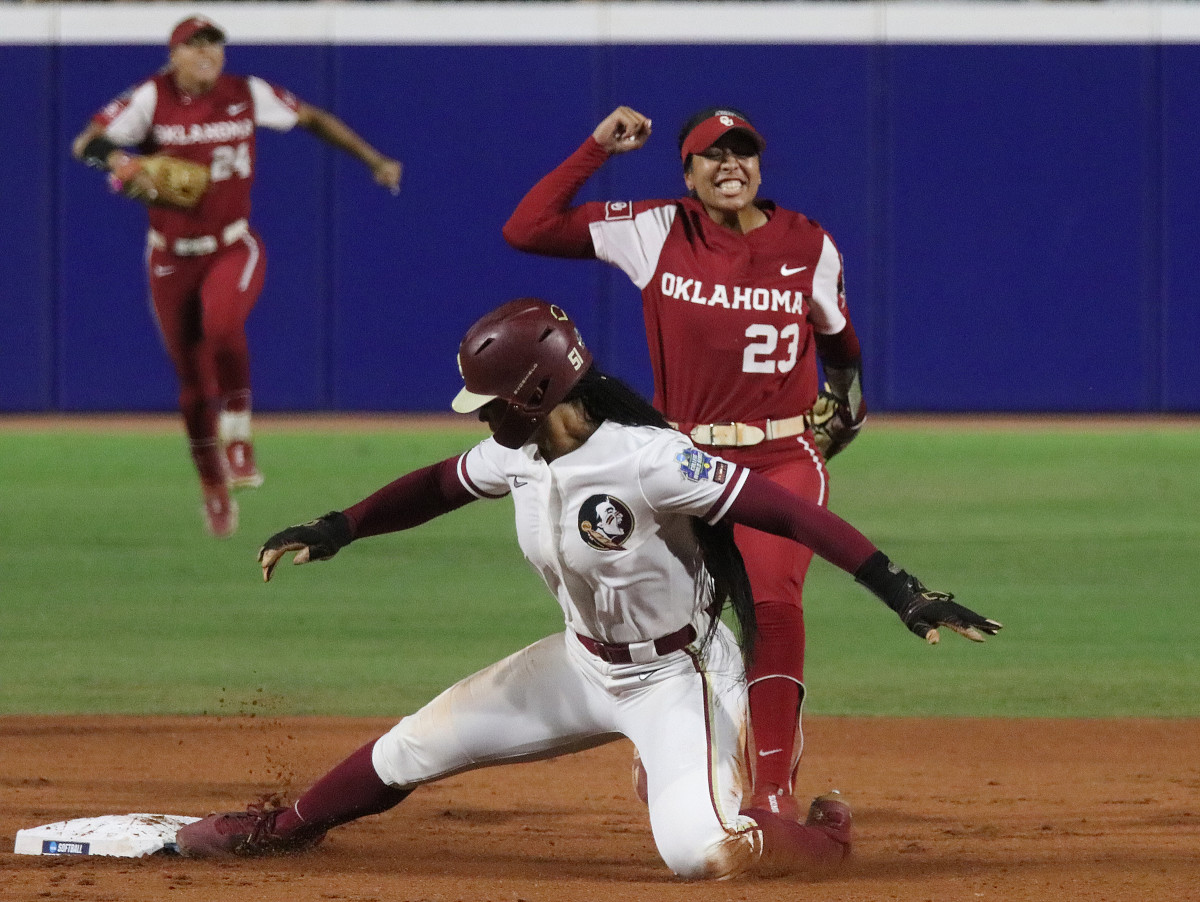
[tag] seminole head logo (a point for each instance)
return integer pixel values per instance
(605, 522)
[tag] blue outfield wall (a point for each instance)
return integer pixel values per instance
(1015, 190)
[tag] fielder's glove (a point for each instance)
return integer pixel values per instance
(922, 610)
(161, 180)
(832, 423)
(316, 540)
(839, 411)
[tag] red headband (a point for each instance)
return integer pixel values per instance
(189, 28)
(708, 132)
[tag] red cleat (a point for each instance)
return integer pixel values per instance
(248, 833)
(220, 511)
(239, 464)
(831, 815)
(776, 800)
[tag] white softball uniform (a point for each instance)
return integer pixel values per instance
(609, 528)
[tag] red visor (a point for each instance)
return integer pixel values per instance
(189, 28)
(708, 132)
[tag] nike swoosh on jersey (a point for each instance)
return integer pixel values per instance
(235, 108)
(163, 270)
(517, 483)
(786, 270)
(769, 752)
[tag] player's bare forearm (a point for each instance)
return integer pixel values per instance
(840, 409)
(83, 143)
(82, 139)
(329, 128)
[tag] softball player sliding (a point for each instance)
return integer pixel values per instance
(628, 524)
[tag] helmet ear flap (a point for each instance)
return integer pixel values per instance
(515, 426)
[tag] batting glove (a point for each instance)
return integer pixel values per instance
(921, 609)
(316, 540)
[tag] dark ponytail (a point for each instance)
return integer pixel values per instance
(608, 398)
(731, 585)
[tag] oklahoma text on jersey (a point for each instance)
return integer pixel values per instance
(203, 132)
(693, 290)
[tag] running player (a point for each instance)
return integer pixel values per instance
(206, 264)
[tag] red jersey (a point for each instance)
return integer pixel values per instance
(215, 129)
(730, 317)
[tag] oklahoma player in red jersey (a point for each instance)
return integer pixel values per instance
(740, 298)
(206, 264)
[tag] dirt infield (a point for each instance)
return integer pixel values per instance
(946, 811)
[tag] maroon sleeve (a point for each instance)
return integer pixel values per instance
(409, 501)
(544, 222)
(768, 507)
(840, 350)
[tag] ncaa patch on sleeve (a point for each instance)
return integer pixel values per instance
(694, 464)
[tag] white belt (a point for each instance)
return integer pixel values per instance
(737, 435)
(200, 245)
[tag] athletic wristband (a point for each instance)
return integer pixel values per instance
(96, 151)
(339, 528)
(887, 581)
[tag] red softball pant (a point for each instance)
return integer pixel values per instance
(776, 566)
(201, 305)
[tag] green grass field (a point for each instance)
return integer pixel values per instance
(1085, 543)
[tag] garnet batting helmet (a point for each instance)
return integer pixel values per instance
(526, 352)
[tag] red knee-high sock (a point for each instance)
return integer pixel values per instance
(793, 848)
(206, 455)
(776, 692)
(350, 791)
(774, 705)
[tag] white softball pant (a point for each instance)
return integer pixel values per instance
(684, 712)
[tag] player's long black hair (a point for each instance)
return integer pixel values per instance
(608, 398)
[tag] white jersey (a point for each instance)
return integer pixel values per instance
(609, 526)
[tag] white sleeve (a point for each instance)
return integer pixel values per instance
(828, 313)
(482, 470)
(274, 107)
(677, 477)
(633, 243)
(130, 119)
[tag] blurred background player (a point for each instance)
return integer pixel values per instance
(206, 264)
(740, 298)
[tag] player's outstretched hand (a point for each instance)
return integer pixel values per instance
(928, 610)
(387, 174)
(316, 540)
(921, 609)
(623, 130)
